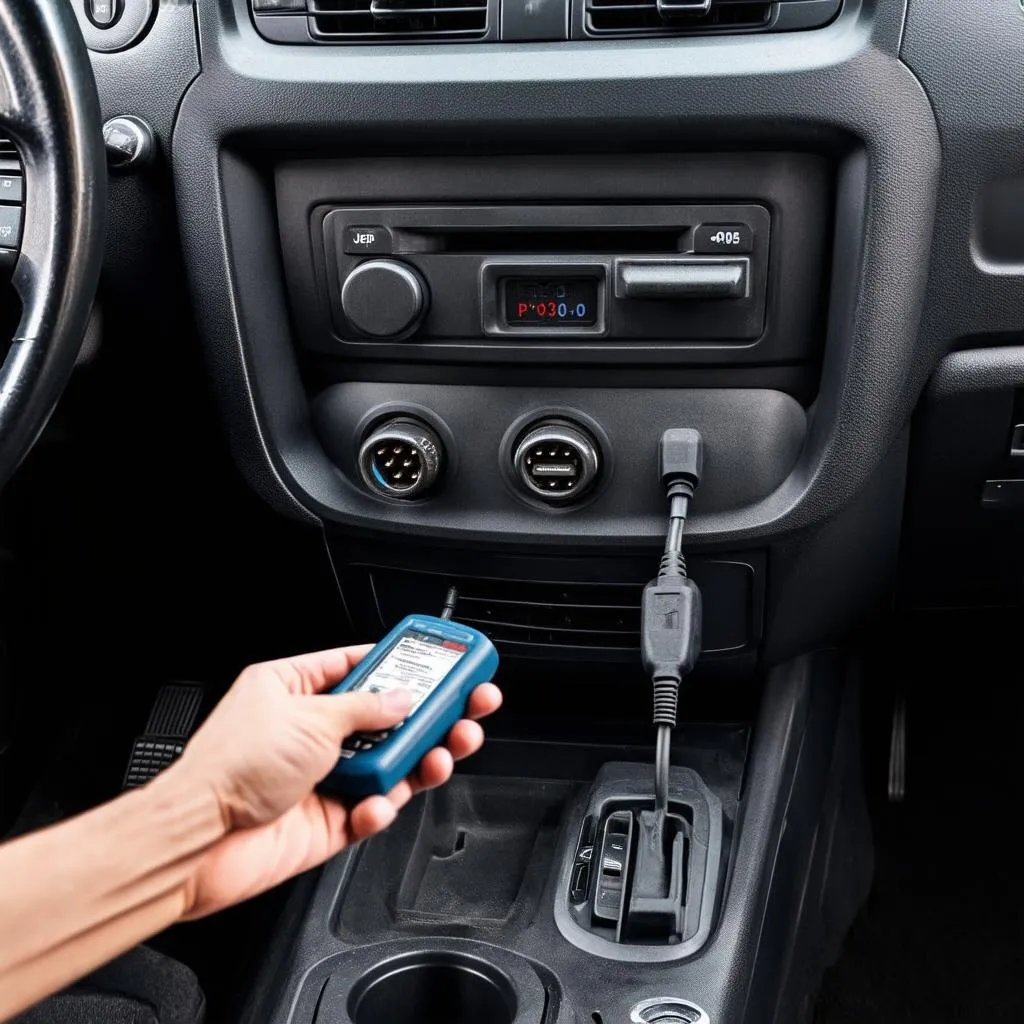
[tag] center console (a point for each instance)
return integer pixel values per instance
(452, 296)
(494, 370)
(475, 905)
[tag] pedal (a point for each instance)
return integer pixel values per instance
(898, 751)
(170, 724)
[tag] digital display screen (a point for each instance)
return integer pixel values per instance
(553, 302)
(419, 663)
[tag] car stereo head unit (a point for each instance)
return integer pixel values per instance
(639, 272)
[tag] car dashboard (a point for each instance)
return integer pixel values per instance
(455, 267)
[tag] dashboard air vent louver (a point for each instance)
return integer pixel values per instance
(381, 20)
(7, 149)
(592, 616)
(547, 619)
(525, 617)
(675, 17)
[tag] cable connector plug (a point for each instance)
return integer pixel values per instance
(681, 460)
(450, 601)
(670, 640)
(671, 607)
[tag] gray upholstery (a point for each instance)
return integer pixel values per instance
(140, 987)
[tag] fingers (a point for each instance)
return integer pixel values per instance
(376, 813)
(437, 766)
(434, 770)
(403, 793)
(484, 700)
(371, 816)
(465, 739)
(313, 673)
(363, 712)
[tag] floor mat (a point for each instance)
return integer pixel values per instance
(942, 935)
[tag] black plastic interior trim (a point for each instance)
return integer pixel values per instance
(753, 439)
(800, 795)
(849, 93)
(978, 369)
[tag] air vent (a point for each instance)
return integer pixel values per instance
(327, 22)
(364, 21)
(675, 17)
(520, 615)
(593, 616)
(543, 619)
(8, 151)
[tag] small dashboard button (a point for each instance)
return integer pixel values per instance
(10, 226)
(104, 13)
(11, 188)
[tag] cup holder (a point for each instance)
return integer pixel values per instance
(433, 988)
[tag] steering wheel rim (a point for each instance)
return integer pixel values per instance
(49, 107)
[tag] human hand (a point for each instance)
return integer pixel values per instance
(272, 738)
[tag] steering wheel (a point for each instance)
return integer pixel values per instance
(49, 107)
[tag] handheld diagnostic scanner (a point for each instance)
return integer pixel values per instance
(439, 662)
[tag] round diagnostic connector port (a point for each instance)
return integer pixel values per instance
(401, 458)
(557, 461)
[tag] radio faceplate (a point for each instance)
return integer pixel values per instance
(636, 273)
(622, 212)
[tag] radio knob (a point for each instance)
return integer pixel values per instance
(385, 298)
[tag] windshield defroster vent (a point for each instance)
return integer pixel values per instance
(369, 22)
(699, 17)
(668, 17)
(381, 20)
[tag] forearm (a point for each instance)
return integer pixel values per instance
(79, 893)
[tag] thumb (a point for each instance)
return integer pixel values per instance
(364, 712)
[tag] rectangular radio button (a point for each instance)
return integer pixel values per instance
(713, 239)
(681, 279)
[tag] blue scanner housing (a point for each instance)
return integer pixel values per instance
(439, 662)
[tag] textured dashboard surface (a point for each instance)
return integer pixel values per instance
(969, 57)
(842, 89)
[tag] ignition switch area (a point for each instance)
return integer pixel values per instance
(557, 461)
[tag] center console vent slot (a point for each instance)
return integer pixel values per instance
(567, 621)
(524, 617)
(8, 151)
(693, 17)
(592, 615)
(383, 20)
